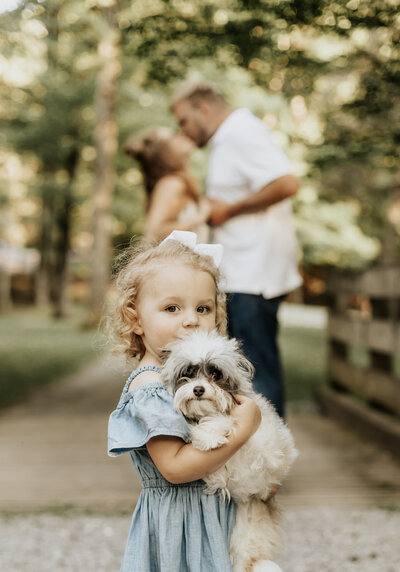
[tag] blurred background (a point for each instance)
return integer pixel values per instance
(78, 77)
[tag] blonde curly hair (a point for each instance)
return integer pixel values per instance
(135, 264)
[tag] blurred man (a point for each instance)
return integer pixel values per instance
(249, 182)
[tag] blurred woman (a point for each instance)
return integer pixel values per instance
(173, 196)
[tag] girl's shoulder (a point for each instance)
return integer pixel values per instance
(144, 389)
(143, 378)
(144, 412)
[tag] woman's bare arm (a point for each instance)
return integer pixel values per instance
(168, 200)
(181, 463)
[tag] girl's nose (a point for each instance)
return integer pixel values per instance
(190, 320)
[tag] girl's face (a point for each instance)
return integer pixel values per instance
(172, 301)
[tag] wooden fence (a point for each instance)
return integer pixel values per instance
(364, 353)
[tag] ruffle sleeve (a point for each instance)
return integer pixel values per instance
(142, 414)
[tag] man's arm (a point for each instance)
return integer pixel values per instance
(276, 191)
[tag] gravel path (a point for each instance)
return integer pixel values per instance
(317, 540)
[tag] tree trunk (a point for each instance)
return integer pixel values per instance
(105, 140)
(63, 242)
(44, 276)
(42, 282)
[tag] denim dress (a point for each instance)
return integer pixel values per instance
(175, 528)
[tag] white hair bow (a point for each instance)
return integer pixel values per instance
(189, 239)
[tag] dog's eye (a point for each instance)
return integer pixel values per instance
(215, 373)
(180, 382)
(190, 371)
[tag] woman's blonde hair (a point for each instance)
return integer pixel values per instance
(136, 263)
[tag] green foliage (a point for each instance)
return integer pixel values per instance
(357, 155)
(329, 235)
(47, 121)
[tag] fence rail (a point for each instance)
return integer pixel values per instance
(364, 316)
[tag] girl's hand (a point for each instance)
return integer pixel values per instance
(247, 414)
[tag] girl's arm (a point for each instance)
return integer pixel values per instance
(182, 463)
(168, 200)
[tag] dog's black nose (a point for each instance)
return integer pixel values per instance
(198, 390)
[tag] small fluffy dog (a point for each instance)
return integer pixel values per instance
(203, 371)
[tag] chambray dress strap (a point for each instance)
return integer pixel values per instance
(142, 413)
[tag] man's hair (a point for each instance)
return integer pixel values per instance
(195, 92)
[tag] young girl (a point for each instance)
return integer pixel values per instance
(174, 200)
(165, 292)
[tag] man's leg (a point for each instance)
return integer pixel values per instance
(253, 320)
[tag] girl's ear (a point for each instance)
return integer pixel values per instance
(137, 325)
(137, 328)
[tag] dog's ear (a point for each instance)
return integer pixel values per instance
(245, 366)
(242, 363)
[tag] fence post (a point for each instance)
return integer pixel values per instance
(364, 321)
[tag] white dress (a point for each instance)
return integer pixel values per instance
(190, 212)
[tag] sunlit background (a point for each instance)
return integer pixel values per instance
(323, 77)
(77, 78)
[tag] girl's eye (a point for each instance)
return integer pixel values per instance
(172, 308)
(203, 309)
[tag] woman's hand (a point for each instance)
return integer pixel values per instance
(220, 212)
(204, 210)
(247, 414)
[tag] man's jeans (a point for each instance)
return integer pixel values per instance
(253, 320)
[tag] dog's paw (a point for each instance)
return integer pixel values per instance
(218, 441)
(209, 444)
(201, 445)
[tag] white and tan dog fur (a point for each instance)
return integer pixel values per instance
(203, 371)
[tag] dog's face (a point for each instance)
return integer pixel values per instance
(203, 371)
(197, 393)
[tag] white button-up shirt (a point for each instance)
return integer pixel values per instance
(260, 249)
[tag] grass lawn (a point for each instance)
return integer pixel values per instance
(304, 354)
(35, 349)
